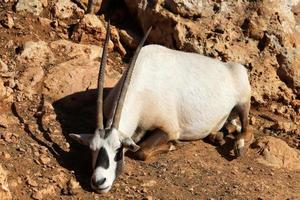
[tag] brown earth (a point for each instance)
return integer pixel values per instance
(48, 70)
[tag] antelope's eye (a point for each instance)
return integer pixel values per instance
(119, 154)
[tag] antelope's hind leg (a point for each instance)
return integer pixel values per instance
(154, 143)
(217, 138)
(243, 139)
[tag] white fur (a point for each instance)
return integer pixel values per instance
(187, 95)
(184, 94)
(110, 144)
(240, 143)
(238, 127)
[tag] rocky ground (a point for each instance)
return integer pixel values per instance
(49, 58)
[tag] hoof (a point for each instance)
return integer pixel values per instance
(221, 142)
(239, 151)
(241, 146)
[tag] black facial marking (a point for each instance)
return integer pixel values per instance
(102, 159)
(119, 154)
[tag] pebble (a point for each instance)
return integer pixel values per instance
(3, 66)
(252, 120)
(149, 183)
(45, 160)
(21, 149)
(8, 21)
(148, 198)
(6, 155)
(31, 182)
(14, 183)
(45, 192)
(72, 187)
(11, 83)
(6, 136)
(250, 168)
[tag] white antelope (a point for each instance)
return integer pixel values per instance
(174, 94)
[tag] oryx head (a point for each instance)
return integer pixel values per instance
(107, 143)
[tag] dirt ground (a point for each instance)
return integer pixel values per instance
(44, 163)
(39, 161)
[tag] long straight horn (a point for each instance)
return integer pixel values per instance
(101, 80)
(118, 108)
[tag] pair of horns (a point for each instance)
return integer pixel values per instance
(118, 104)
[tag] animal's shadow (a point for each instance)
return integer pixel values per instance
(226, 149)
(76, 113)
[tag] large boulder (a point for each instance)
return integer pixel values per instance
(276, 153)
(58, 69)
(70, 77)
(263, 35)
(78, 73)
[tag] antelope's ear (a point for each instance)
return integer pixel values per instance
(130, 144)
(84, 139)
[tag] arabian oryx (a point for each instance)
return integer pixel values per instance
(173, 94)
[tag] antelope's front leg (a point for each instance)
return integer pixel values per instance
(245, 137)
(155, 143)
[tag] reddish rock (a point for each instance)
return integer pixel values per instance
(276, 153)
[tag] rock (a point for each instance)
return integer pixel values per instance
(32, 6)
(31, 79)
(4, 190)
(149, 183)
(3, 66)
(11, 83)
(185, 8)
(44, 3)
(60, 179)
(65, 8)
(31, 182)
(149, 198)
(90, 29)
(91, 21)
(45, 21)
(276, 153)
(6, 155)
(36, 54)
(6, 136)
(45, 159)
(129, 39)
(70, 77)
(44, 193)
(6, 120)
(252, 120)
(8, 21)
(2, 89)
(72, 187)
(70, 50)
(95, 6)
(267, 46)
(116, 40)
(78, 74)
(13, 183)
(286, 127)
